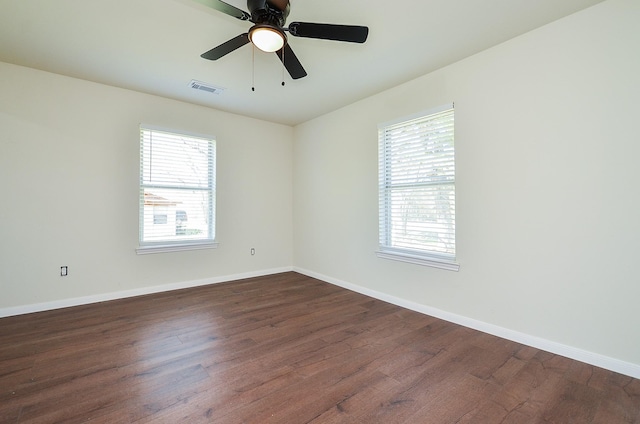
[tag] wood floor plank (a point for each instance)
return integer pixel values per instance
(286, 348)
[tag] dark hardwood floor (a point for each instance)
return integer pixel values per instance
(286, 349)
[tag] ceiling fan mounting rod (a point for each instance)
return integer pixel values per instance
(262, 12)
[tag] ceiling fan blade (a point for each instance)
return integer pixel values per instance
(291, 62)
(226, 48)
(226, 8)
(350, 33)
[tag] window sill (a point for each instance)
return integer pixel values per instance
(166, 248)
(419, 260)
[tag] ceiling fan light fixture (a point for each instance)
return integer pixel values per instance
(267, 38)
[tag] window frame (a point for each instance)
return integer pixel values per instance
(386, 250)
(163, 246)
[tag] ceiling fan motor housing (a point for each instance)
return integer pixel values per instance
(263, 12)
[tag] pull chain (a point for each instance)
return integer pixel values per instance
(283, 66)
(253, 67)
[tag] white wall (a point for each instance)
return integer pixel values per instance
(548, 207)
(69, 175)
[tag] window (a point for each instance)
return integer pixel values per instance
(177, 191)
(417, 189)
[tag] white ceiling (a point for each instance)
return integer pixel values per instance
(154, 46)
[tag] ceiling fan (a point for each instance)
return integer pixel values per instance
(268, 31)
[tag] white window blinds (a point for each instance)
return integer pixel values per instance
(417, 186)
(177, 188)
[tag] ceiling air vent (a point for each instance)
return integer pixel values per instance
(203, 86)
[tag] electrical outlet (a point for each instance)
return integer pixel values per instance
(253, 251)
(64, 271)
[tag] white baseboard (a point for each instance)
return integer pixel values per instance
(612, 364)
(85, 300)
